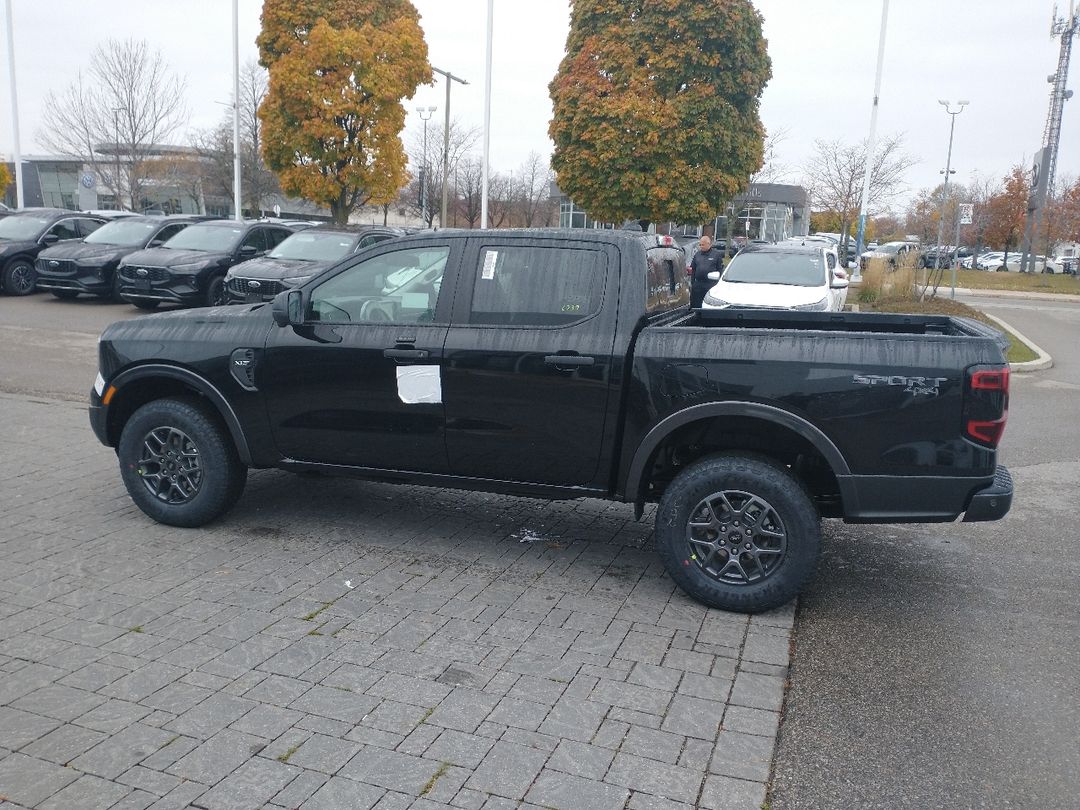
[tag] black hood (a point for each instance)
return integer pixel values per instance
(163, 257)
(73, 251)
(275, 269)
(9, 247)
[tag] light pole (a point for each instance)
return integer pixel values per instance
(948, 170)
(860, 234)
(116, 154)
(19, 201)
(424, 168)
(450, 78)
(487, 117)
(237, 204)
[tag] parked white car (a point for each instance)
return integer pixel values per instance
(788, 275)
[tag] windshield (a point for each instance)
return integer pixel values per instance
(22, 227)
(315, 247)
(774, 267)
(122, 233)
(209, 238)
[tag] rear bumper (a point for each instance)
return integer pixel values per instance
(925, 499)
(993, 502)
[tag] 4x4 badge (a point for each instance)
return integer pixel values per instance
(919, 386)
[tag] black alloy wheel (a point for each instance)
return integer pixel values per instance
(179, 463)
(216, 293)
(738, 532)
(736, 537)
(20, 277)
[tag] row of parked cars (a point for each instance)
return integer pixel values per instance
(182, 259)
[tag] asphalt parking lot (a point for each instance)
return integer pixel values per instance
(342, 644)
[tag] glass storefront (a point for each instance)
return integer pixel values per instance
(59, 183)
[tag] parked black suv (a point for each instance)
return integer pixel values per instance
(90, 266)
(299, 258)
(190, 268)
(23, 235)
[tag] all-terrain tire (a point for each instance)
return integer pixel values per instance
(158, 448)
(756, 482)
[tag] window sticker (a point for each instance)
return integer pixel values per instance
(419, 385)
(490, 258)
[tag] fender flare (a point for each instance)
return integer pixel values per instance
(767, 413)
(200, 384)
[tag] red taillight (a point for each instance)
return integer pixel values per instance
(986, 404)
(987, 432)
(997, 380)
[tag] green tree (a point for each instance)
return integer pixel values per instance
(656, 107)
(332, 119)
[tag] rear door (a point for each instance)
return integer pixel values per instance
(528, 360)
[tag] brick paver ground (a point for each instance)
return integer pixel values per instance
(344, 644)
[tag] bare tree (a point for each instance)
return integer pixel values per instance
(258, 182)
(462, 140)
(469, 182)
(500, 200)
(128, 102)
(773, 169)
(834, 177)
(533, 191)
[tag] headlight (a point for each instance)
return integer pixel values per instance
(294, 281)
(187, 268)
(99, 384)
(713, 301)
(820, 306)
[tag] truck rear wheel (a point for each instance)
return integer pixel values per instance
(739, 533)
(179, 464)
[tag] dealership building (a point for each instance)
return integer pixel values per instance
(768, 211)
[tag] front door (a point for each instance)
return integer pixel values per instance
(359, 383)
(528, 361)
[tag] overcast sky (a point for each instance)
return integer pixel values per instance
(994, 53)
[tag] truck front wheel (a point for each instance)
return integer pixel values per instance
(738, 532)
(179, 464)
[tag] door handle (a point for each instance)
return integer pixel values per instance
(568, 360)
(405, 354)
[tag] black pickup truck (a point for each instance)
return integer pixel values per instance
(567, 364)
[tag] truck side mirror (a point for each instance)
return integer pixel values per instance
(288, 308)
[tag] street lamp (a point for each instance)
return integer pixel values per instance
(423, 169)
(948, 170)
(450, 78)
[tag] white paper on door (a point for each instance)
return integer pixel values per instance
(419, 385)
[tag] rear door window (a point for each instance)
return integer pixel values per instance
(668, 285)
(536, 285)
(65, 229)
(88, 226)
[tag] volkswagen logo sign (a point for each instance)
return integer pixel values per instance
(254, 285)
(142, 271)
(54, 264)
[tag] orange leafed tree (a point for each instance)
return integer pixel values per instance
(1006, 211)
(5, 178)
(656, 107)
(332, 119)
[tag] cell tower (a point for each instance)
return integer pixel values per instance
(1045, 167)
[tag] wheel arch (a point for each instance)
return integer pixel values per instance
(706, 417)
(141, 384)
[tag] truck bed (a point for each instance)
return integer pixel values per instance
(872, 322)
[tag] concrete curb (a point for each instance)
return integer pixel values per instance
(1020, 295)
(1043, 361)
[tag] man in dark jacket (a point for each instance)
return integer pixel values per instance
(705, 261)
